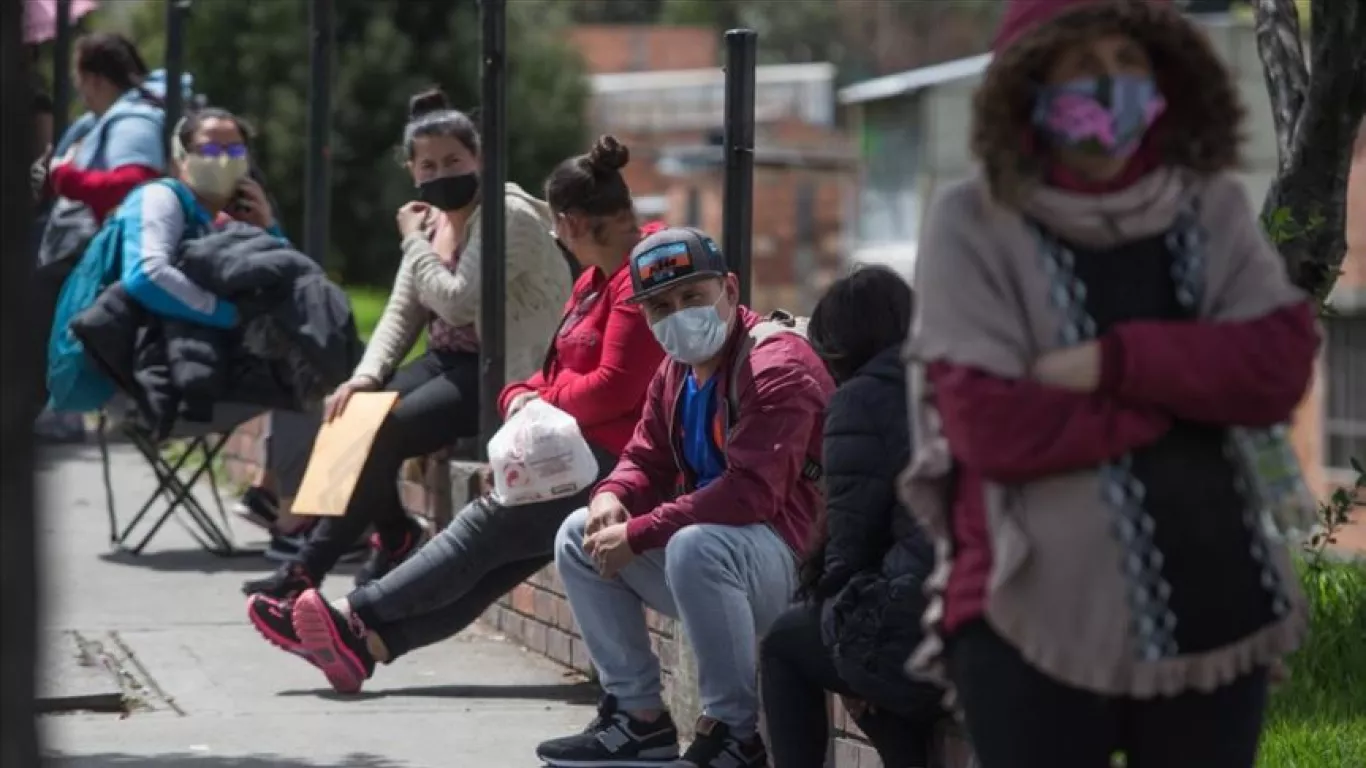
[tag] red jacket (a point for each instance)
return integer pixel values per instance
(600, 361)
(783, 393)
(1250, 373)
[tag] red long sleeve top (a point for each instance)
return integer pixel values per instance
(601, 360)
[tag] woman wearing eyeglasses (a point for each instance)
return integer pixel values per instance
(209, 185)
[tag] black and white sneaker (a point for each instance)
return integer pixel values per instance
(258, 506)
(285, 547)
(715, 747)
(614, 738)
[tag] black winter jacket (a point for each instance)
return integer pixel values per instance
(296, 340)
(877, 557)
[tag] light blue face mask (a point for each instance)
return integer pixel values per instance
(694, 335)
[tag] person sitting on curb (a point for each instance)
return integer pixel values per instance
(437, 287)
(859, 619)
(703, 519)
(601, 361)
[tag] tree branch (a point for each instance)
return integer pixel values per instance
(1287, 77)
(1317, 140)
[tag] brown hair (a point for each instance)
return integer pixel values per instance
(592, 184)
(430, 114)
(1200, 130)
(114, 58)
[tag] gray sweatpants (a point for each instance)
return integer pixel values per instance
(288, 444)
(727, 584)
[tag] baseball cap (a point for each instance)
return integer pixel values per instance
(672, 257)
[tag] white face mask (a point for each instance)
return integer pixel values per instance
(694, 335)
(213, 177)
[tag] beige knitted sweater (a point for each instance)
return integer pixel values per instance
(538, 285)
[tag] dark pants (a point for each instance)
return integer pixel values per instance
(438, 404)
(796, 671)
(1019, 718)
(485, 552)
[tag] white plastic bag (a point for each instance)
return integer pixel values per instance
(539, 455)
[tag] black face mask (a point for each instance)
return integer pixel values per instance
(449, 193)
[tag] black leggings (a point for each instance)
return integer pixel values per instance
(485, 552)
(796, 671)
(438, 403)
(1019, 718)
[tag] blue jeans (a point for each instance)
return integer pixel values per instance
(726, 584)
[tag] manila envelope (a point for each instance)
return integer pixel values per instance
(339, 454)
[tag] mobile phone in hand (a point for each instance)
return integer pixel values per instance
(240, 205)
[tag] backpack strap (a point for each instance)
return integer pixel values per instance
(778, 322)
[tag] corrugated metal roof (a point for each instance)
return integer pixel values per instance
(913, 80)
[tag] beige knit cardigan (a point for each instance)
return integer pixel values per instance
(538, 286)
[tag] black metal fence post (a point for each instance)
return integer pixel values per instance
(317, 165)
(493, 290)
(175, 68)
(61, 70)
(737, 217)
(19, 357)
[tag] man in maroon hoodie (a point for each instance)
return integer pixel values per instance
(703, 518)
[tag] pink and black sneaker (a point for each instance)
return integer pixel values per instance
(335, 643)
(274, 619)
(385, 555)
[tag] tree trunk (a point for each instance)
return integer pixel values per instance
(1318, 108)
(18, 359)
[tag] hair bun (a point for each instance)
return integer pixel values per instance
(608, 155)
(431, 100)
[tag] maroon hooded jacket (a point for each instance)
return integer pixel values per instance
(783, 390)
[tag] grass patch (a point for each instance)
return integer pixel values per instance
(1318, 718)
(368, 304)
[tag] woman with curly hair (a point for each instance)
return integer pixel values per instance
(1104, 337)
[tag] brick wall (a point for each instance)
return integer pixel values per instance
(609, 48)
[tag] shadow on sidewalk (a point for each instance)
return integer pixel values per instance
(191, 561)
(191, 760)
(569, 693)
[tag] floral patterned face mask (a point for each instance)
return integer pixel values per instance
(1105, 115)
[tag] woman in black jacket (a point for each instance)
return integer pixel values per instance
(860, 599)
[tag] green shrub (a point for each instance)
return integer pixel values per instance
(1317, 719)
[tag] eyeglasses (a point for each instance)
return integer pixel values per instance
(214, 150)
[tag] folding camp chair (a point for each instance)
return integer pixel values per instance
(174, 495)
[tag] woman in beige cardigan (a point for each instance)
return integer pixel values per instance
(437, 289)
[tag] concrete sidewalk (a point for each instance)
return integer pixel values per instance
(210, 693)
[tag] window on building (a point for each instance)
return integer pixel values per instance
(1344, 396)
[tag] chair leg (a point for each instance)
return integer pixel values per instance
(165, 473)
(179, 495)
(103, 438)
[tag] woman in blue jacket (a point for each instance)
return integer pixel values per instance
(117, 144)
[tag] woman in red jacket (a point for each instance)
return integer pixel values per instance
(597, 369)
